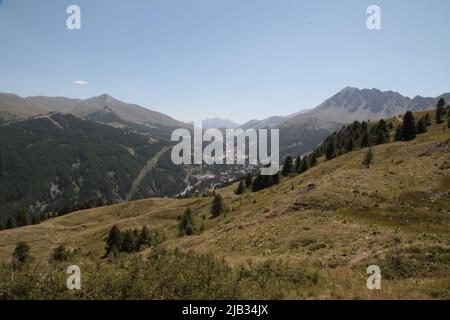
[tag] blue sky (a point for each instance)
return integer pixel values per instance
(236, 59)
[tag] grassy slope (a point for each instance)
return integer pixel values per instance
(354, 217)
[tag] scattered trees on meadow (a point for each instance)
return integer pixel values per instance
(262, 182)
(23, 218)
(130, 241)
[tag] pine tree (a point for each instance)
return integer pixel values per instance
(114, 240)
(298, 164)
(427, 120)
(21, 255)
(60, 254)
(288, 166)
(128, 242)
(398, 133)
(330, 149)
(421, 126)
(365, 139)
(312, 159)
(258, 183)
(241, 188)
(350, 145)
(217, 206)
(275, 179)
(440, 110)
(248, 180)
(368, 158)
(409, 127)
(381, 138)
(144, 239)
(36, 219)
(382, 132)
(10, 223)
(186, 226)
(23, 218)
(305, 165)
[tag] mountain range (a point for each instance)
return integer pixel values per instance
(103, 108)
(218, 123)
(56, 152)
(353, 104)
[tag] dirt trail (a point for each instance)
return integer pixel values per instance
(148, 166)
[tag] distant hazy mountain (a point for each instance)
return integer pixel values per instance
(103, 108)
(300, 135)
(303, 111)
(352, 104)
(13, 107)
(265, 123)
(217, 123)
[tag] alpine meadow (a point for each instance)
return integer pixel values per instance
(224, 153)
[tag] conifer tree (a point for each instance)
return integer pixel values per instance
(21, 255)
(258, 183)
(128, 242)
(350, 145)
(382, 132)
(298, 164)
(248, 180)
(381, 138)
(217, 206)
(330, 149)
(241, 188)
(312, 159)
(368, 158)
(36, 219)
(186, 226)
(144, 239)
(10, 223)
(60, 254)
(409, 127)
(427, 120)
(23, 218)
(421, 126)
(275, 179)
(114, 241)
(440, 110)
(365, 139)
(288, 166)
(305, 165)
(398, 133)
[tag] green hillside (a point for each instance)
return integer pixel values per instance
(52, 163)
(310, 236)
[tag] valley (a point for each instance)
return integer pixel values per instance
(311, 236)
